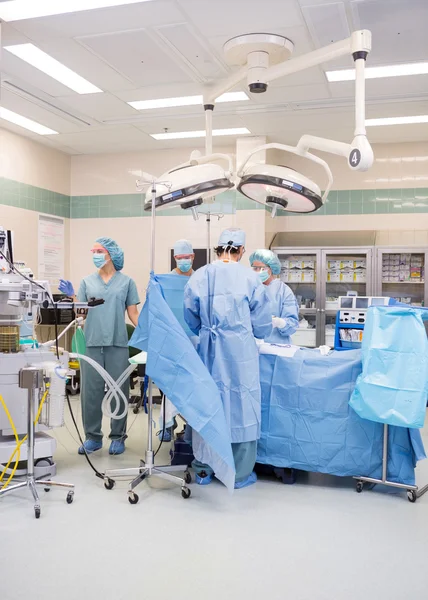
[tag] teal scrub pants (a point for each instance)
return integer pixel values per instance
(114, 359)
(244, 454)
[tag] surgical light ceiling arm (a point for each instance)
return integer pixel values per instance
(359, 153)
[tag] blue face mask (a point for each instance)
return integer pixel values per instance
(184, 264)
(99, 260)
(264, 275)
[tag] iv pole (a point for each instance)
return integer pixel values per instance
(147, 466)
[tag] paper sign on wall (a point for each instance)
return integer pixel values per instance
(51, 249)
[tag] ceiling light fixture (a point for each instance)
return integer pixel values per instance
(13, 117)
(379, 72)
(45, 63)
(16, 10)
(396, 121)
(183, 135)
(185, 101)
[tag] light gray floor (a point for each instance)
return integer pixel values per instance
(315, 540)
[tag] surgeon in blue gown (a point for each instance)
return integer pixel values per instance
(284, 309)
(227, 305)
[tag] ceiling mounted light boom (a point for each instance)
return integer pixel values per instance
(264, 58)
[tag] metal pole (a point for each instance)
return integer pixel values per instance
(149, 451)
(30, 429)
(209, 108)
(150, 418)
(360, 97)
(209, 237)
(385, 453)
(153, 228)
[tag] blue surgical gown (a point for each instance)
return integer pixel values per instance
(227, 305)
(284, 305)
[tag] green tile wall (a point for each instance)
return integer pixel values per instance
(131, 205)
(367, 202)
(342, 202)
(21, 195)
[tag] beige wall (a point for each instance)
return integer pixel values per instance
(117, 173)
(24, 224)
(22, 159)
(26, 161)
(395, 166)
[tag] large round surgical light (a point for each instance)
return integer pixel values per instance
(188, 186)
(280, 188)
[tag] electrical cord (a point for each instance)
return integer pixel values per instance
(18, 272)
(95, 470)
(18, 441)
(163, 425)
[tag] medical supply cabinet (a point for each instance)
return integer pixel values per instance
(320, 267)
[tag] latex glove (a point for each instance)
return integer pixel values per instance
(66, 287)
(278, 322)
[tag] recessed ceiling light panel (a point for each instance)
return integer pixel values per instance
(52, 67)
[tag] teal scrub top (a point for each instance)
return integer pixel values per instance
(105, 325)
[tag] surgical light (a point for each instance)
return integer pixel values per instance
(188, 185)
(282, 188)
(182, 135)
(185, 101)
(17, 10)
(52, 67)
(17, 119)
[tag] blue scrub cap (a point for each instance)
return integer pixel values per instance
(232, 237)
(267, 257)
(183, 247)
(115, 251)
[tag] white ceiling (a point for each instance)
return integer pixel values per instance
(168, 48)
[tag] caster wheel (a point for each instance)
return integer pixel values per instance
(47, 489)
(135, 410)
(37, 512)
(133, 498)
(187, 477)
(185, 492)
(109, 483)
(70, 497)
(359, 487)
(411, 496)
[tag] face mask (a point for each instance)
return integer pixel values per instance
(184, 264)
(264, 275)
(99, 260)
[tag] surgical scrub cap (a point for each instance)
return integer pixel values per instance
(267, 257)
(232, 237)
(183, 247)
(115, 251)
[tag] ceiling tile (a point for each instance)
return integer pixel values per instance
(104, 20)
(32, 111)
(135, 55)
(234, 17)
(107, 139)
(399, 29)
(99, 106)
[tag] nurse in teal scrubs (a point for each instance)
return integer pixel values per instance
(106, 338)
